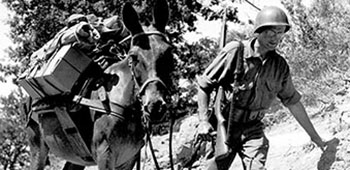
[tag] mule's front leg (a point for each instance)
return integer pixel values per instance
(105, 158)
(101, 148)
(38, 148)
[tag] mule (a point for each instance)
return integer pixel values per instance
(135, 97)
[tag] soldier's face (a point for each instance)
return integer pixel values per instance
(271, 37)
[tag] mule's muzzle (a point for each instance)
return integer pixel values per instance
(154, 92)
(156, 109)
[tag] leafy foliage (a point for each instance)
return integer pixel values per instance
(14, 147)
(318, 48)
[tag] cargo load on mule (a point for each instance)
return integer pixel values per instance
(58, 66)
(62, 74)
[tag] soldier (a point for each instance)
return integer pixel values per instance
(260, 75)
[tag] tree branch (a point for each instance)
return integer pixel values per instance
(250, 3)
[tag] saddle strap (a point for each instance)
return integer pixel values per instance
(99, 106)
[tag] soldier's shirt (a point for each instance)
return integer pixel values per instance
(262, 81)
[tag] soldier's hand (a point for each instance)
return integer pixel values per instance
(204, 131)
(320, 143)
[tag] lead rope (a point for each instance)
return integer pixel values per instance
(152, 150)
(138, 163)
(170, 141)
(170, 146)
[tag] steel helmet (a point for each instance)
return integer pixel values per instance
(271, 16)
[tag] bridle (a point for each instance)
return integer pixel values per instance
(141, 88)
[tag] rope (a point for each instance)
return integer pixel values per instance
(152, 150)
(170, 142)
(170, 146)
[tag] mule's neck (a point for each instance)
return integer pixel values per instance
(123, 93)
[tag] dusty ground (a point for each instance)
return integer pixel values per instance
(290, 146)
(292, 149)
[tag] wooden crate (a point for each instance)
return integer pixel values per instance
(58, 75)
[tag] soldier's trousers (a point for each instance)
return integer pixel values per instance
(250, 144)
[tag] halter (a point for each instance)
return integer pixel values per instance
(143, 86)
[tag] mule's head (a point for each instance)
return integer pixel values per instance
(150, 58)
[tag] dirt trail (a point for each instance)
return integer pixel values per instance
(291, 148)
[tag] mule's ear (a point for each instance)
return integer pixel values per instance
(131, 19)
(160, 14)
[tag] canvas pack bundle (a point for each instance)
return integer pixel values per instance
(56, 66)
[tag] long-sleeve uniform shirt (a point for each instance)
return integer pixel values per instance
(261, 82)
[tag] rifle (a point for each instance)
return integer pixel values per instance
(220, 146)
(221, 134)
